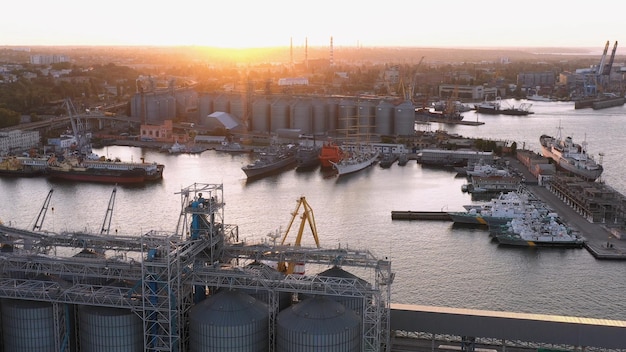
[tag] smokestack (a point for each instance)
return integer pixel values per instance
(291, 50)
(306, 52)
(332, 61)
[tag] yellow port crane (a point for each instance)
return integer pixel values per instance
(307, 215)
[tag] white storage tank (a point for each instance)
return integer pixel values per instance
(104, 329)
(28, 326)
(318, 324)
(404, 119)
(229, 321)
(260, 115)
(384, 118)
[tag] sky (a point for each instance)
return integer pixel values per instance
(253, 23)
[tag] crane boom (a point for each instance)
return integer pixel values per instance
(603, 59)
(607, 69)
(106, 224)
(307, 216)
(42, 212)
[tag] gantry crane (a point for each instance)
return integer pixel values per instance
(307, 215)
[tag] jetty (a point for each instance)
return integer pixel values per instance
(420, 215)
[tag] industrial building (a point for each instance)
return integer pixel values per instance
(268, 113)
(198, 289)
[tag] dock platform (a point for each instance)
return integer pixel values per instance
(420, 215)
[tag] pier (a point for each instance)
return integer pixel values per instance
(420, 215)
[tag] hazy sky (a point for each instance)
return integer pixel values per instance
(253, 23)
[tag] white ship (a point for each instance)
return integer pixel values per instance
(570, 156)
(356, 161)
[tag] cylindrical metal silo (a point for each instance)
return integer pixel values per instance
(384, 118)
(365, 110)
(267, 272)
(301, 115)
(110, 330)
(221, 103)
(205, 108)
(404, 119)
(318, 324)
(319, 116)
(279, 114)
(332, 106)
(28, 326)
(346, 118)
(238, 106)
(260, 115)
(229, 321)
(170, 113)
(355, 304)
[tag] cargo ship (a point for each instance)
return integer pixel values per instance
(570, 156)
(329, 154)
(104, 171)
(16, 166)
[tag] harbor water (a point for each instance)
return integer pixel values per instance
(436, 263)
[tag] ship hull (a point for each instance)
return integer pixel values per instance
(347, 166)
(255, 172)
(136, 176)
(507, 240)
(565, 165)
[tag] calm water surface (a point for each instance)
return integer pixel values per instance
(436, 263)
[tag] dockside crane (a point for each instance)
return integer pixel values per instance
(106, 224)
(307, 216)
(42, 212)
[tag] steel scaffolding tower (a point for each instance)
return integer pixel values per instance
(169, 272)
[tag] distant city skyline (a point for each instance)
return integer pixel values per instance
(271, 23)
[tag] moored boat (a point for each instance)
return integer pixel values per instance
(355, 161)
(271, 161)
(544, 231)
(570, 156)
(15, 166)
(329, 154)
(307, 156)
(104, 171)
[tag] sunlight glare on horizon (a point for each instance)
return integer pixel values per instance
(246, 23)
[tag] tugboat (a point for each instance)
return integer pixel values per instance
(329, 154)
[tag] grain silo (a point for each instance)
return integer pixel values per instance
(318, 324)
(383, 120)
(260, 115)
(229, 321)
(332, 106)
(319, 116)
(365, 111)
(221, 103)
(302, 115)
(267, 272)
(346, 117)
(355, 304)
(104, 329)
(28, 326)
(404, 119)
(205, 107)
(279, 114)
(238, 107)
